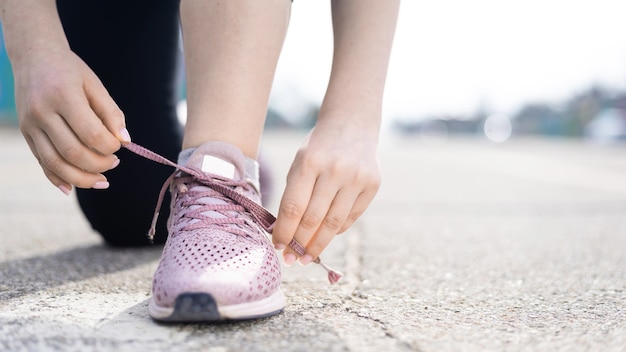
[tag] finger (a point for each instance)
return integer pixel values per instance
(360, 205)
(76, 153)
(292, 206)
(106, 109)
(55, 167)
(324, 193)
(371, 185)
(87, 126)
(61, 184)
(331, 224)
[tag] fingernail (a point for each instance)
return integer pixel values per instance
(306, 259)
(125, 135)
(279, 246)
(101, 185)
(64, 189)
(290, 258)
(115, 163)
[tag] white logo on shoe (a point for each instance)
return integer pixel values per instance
(217, 166)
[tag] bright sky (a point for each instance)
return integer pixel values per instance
(451, 56)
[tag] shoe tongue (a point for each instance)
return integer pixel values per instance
(224, 161)
(219, 159)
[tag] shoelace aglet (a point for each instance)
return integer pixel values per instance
(333, 275)
(152, 230)
(151, 236)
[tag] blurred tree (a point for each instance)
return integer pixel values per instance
(537, 119)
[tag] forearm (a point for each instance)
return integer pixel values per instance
(363, 34)
(29, 26)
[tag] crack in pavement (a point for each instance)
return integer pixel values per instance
(350, 290)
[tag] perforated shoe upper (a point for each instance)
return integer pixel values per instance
(214, 245)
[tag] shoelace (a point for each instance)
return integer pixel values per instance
(189, 196)
(264, 218)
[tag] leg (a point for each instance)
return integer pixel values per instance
(133, 47)
(231, 51)
(218, 263)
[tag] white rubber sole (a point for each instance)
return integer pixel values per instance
(202, 307)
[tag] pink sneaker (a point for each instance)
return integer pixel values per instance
(218, 262)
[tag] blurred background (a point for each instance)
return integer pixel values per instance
(485, 68)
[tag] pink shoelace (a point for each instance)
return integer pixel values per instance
(258, 213)
(190, 210)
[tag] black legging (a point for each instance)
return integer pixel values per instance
(132, 45)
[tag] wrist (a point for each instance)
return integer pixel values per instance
(343, 120)
(353, 107)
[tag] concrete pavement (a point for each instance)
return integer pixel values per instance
(469, 246)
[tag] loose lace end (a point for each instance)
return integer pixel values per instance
(152, 230)
(333, 275)
(150, 235)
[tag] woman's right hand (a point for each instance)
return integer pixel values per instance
(68, 118)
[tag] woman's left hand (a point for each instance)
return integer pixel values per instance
(333, 179)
